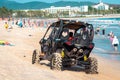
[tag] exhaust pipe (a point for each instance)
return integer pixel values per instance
(80, 51)
(72, 51)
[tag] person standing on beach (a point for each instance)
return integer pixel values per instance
(115, 43)
(6, 25)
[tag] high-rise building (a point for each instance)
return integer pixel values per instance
(69, 9)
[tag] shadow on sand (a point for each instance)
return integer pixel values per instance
(73, 68)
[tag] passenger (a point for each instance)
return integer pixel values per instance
(69, 43)
(115, 43)
(70, 39)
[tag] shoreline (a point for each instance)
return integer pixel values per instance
(93, 16)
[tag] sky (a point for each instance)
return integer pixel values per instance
(50, 1)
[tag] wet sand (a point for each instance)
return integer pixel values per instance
(15, 61)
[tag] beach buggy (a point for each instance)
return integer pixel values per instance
(67, 43)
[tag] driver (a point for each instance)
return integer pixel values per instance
(83, 37)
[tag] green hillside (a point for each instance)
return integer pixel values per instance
(39, 5)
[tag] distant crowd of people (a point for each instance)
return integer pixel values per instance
(26, 22)
(98, 29)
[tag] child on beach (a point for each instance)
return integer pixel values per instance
(115, 43)
(6, 26)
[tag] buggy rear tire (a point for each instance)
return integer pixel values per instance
(93, 66)
(56, 62)
(35, 56)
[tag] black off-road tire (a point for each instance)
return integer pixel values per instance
(56, 62)
(93, 67)
(35, 56)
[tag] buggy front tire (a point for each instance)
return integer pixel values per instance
(35, 56)
(56, 62)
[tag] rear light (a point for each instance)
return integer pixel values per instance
(91, 46)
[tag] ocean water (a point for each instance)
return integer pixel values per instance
(118, 19)
(103, 46)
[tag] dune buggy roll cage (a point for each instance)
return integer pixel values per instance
(70, 24)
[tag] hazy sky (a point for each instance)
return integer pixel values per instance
(50, 1)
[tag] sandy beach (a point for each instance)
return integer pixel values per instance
(16, 64)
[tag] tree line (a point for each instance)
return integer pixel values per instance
(5, 13)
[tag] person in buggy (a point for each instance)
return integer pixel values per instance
(70, 39)
(68, 43)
